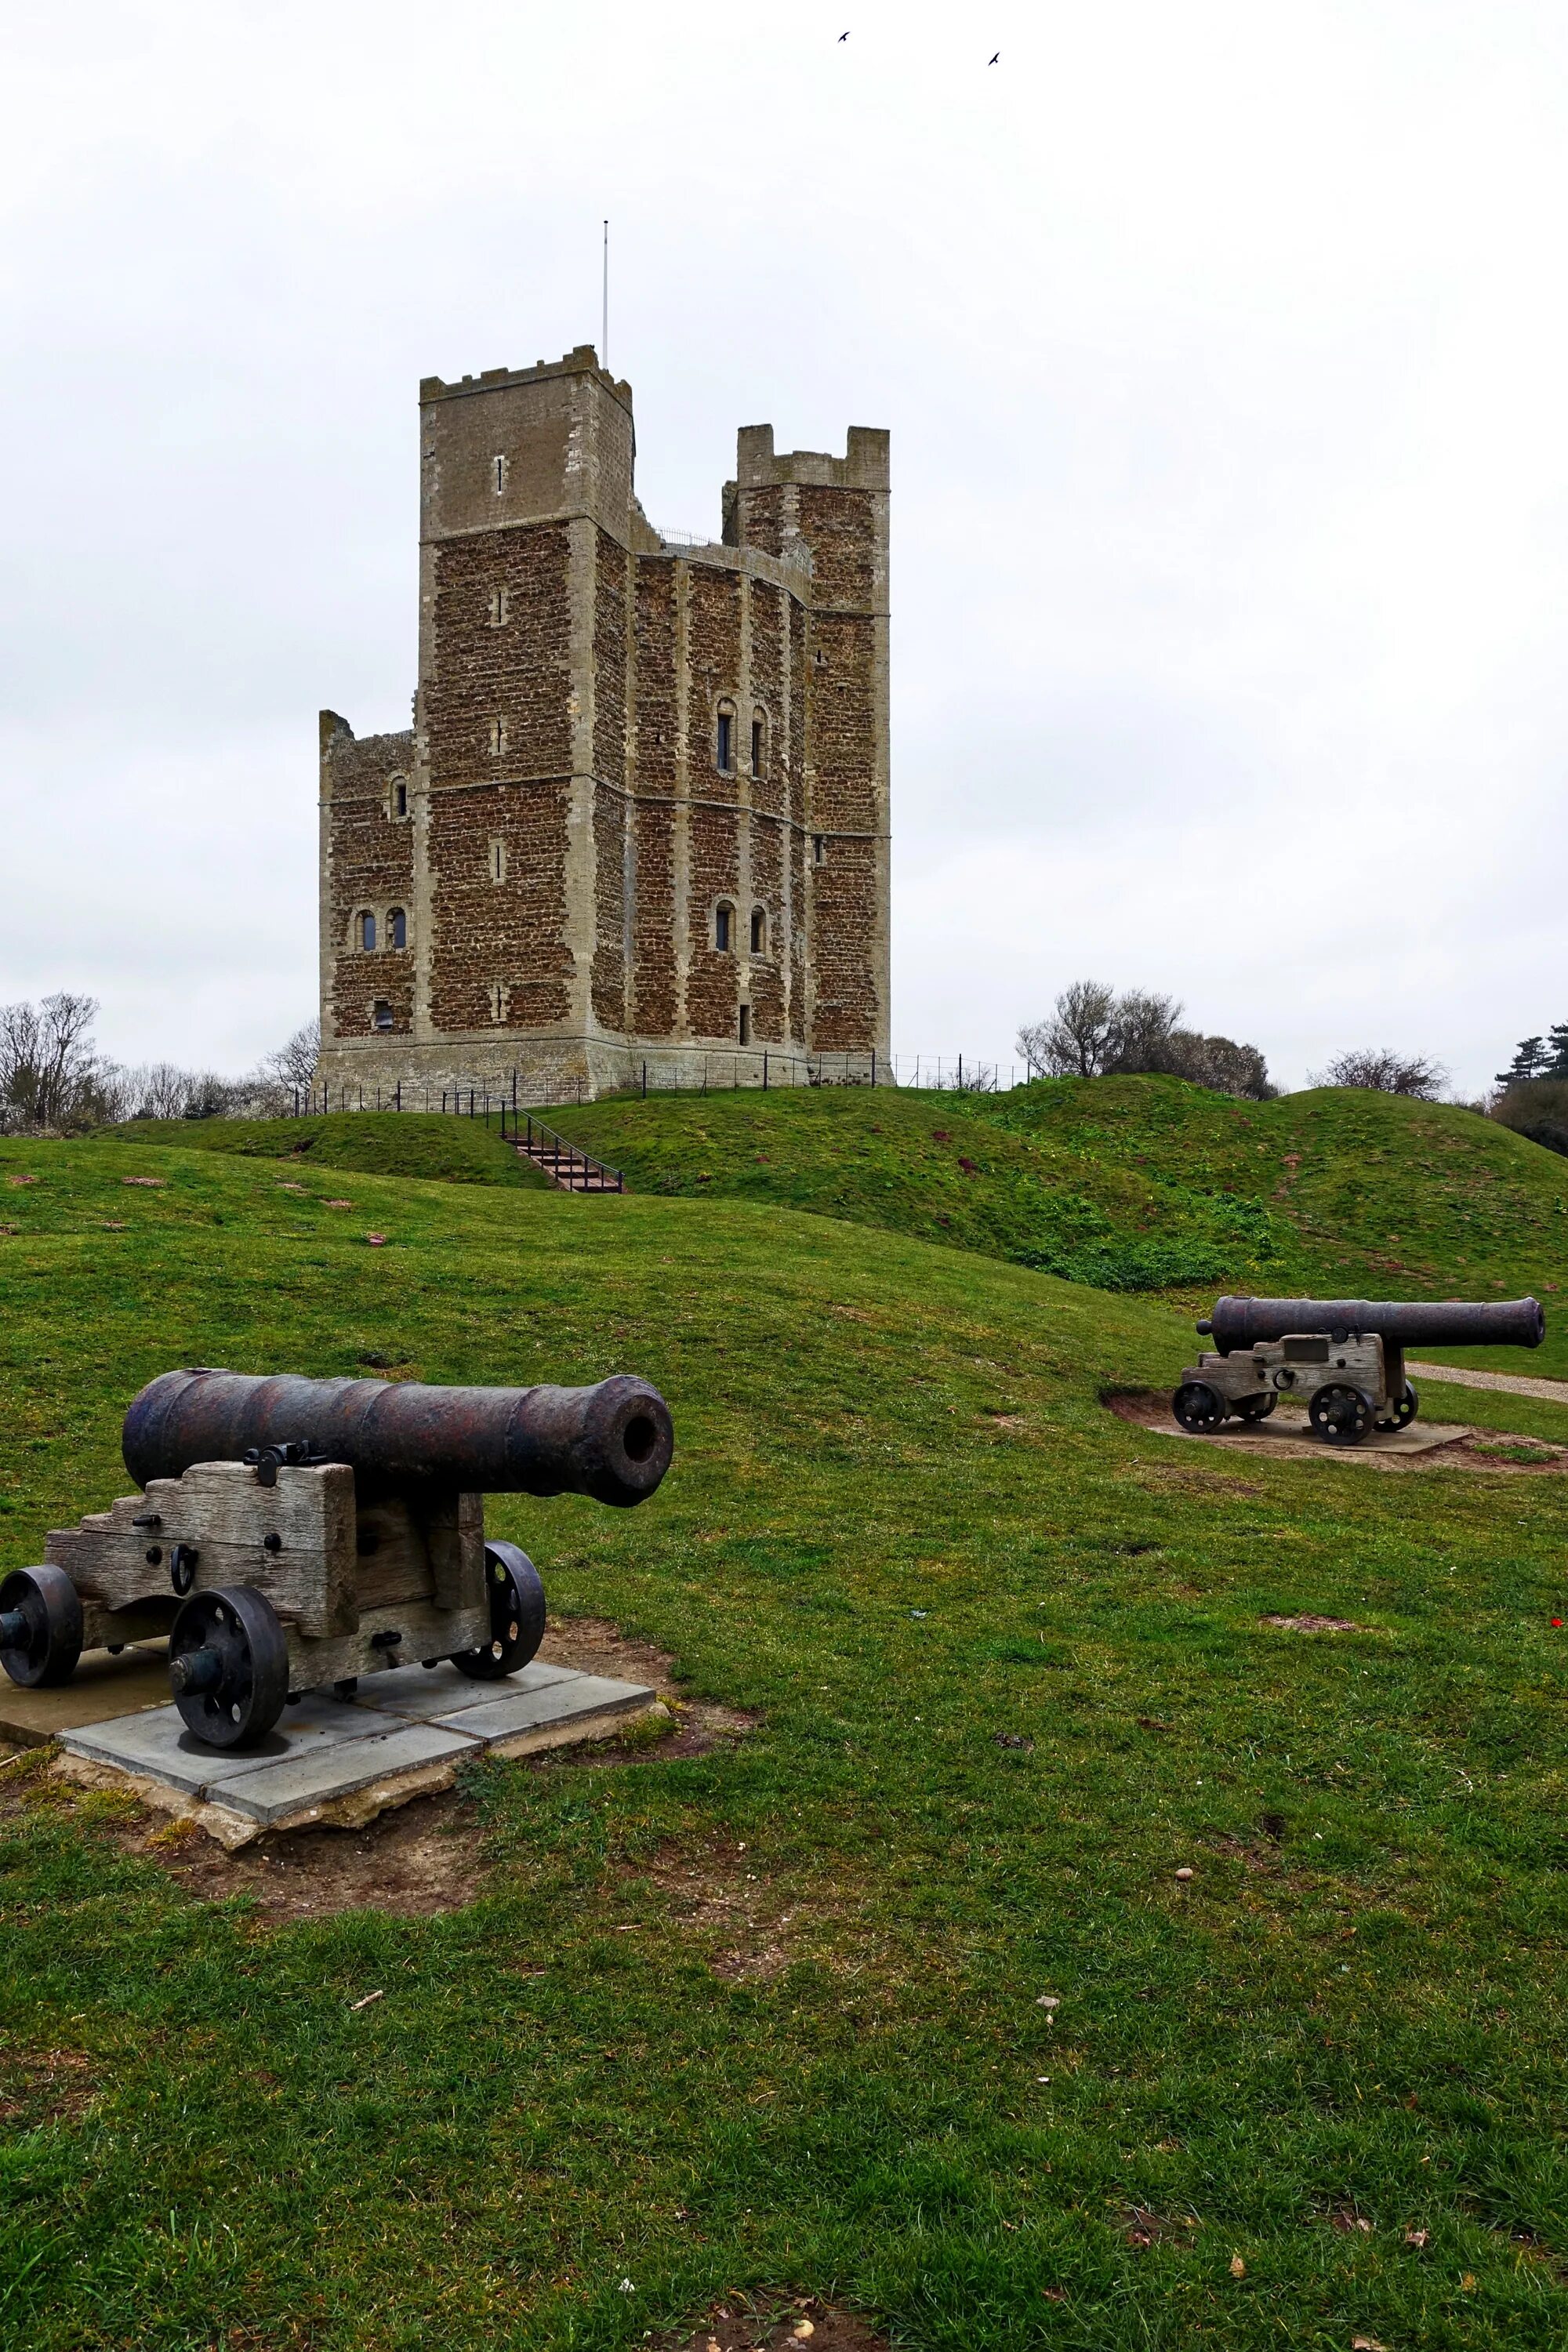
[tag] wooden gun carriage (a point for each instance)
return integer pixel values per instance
(1343, 1358)
(291, 1534)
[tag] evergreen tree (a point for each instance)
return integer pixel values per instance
(1531, 1060)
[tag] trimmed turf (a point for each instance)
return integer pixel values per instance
(374, 1143)
(1138, 1184)
(773, 2017)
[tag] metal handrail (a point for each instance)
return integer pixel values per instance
(554, 1146)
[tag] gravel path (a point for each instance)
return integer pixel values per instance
(1516, 1383)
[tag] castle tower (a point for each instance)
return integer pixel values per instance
(642, 815)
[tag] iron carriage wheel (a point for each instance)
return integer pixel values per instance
(228, 1665)
(1198, 1407)
(1402, 1411)
(517, 1616)
(1256, 1408)
(1340, 1415)
(40, 1626)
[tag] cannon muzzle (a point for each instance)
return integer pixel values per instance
(613, 1441)
(1404, 1323)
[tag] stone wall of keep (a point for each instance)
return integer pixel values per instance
(367, 867)
(619, 830)
(512, 931)
(713, 978)
(613, 894)
(655, 993)
(519, 671)
(712, 668)
(612, 658)
(844, 897)
(656, 728)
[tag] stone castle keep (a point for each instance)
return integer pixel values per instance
(641, 815)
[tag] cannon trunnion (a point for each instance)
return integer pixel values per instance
(293, 1534)
(1343, 1358)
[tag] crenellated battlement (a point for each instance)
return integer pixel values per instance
(864, 465)
(582, 360)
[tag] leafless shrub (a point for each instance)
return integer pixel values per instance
(1093, 1033)
(294, 1064)
(50, 1075)
(1075, 1041)
(1219, 1064)
(1382, 1071)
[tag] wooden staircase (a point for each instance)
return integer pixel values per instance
(565, 1163)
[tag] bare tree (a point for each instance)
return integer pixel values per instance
(1095, 1033)
(1074, 1042)
(1141, 1029)
(1384, 1072)
(1219, 1064)
(294, 1064)
(49, 1073)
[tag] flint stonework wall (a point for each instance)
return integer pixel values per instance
(570, 832)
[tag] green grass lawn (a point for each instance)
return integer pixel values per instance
(372, 1143)
(1138, 1184)
(901, 1531)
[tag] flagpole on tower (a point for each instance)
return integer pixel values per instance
(605, 337)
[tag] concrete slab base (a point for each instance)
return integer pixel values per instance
(409, 1732)
(102, 1686)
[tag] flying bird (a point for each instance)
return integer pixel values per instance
(843, 36)
(990, 61)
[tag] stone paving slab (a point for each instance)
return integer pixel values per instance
(438, 1694)
(326, 1747)
(100, 1687)
(502, 1712)
(275, 1792)
(158, 1743)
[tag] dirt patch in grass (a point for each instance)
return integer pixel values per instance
(771, 2324)
(421, 1859)
(600, 1648)
(44, 2086)
(1144, 2228)
(1156, 1475)
(424, 1857)
(722, 1897)
(1424, 1446)
(1308, 1624)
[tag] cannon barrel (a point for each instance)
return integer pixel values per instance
(613, 1441)
(1406, 1323)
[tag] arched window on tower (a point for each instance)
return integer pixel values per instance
(759, 930)
(759, 742)
(723, 920)
(724, 744)
(365, 929)
(396, 929)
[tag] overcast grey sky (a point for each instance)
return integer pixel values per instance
(1225, 357)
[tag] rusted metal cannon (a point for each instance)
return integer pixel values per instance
(294, 1533)
(1343, 1358)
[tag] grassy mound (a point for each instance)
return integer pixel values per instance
(378, 1143)
(1137, 1183)
(781, 2014)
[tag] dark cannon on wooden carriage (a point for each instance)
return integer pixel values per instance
(292, 1534)
(1343, 1358)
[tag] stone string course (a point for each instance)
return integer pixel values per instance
(569, 836)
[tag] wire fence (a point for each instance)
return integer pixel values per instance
(479, 1096)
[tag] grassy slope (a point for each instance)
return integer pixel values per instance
(1140, 1183)
(374, 1143)
(1356, 2005)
